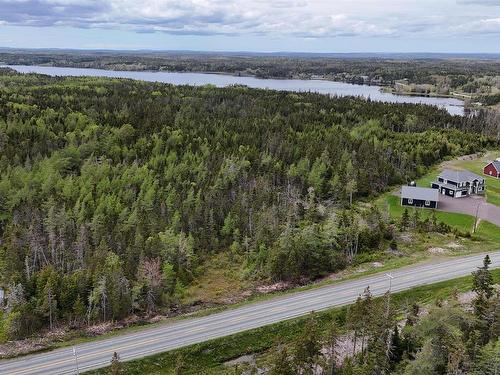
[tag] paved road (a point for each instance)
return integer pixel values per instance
(170, 336)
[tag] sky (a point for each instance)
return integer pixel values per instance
(330, 26)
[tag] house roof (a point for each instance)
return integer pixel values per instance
(415, 192)
(459, 176)
(496, 164)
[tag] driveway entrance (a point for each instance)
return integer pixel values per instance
(471, 206)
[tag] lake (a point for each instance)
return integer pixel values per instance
(453, 106)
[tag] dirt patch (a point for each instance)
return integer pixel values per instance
(470, 157)
(405, 237)
(451, 163)
(454, 246)
(437, 250)
(277, 287)
(395, 252)
(248, 359)
(465, 299)
(345, 347)
(99, 329)
(14, 348)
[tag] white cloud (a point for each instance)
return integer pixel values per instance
(483, 26)
(296, 18)
(479, 2)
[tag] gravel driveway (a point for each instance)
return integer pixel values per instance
(471, 205)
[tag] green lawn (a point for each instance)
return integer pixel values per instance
(489, 232)
(461, 222)
(209, 357)
(426, 180)
(487, 235)
(486, 231)
(476, 166)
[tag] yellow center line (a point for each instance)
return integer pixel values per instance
(143, 343)
(117, 349)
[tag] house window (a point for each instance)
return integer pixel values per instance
(410, 201)
(427, 203)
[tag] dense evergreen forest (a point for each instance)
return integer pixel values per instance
(113, 192)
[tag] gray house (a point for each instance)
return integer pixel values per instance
(458, 184)
(419, 197)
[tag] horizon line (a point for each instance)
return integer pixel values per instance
(277, 52)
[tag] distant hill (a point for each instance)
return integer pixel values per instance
(348, 55)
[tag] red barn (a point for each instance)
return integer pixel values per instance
(493, 169)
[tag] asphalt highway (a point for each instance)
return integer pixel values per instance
(188, 331)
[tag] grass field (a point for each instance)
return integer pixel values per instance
(220, 281)
(476, 166)
(426, 180)
(209, 357)
(461, 222)
(488, 233)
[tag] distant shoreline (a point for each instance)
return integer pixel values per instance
(384, 87)
(300, 83)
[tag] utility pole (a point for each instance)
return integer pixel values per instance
(387, 313)
(76, 360)
(390, 280)
(475, 217)
(389, 294)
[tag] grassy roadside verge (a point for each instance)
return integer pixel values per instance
(209, 357)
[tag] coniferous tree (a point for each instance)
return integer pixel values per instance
(482, 285)
(116, 367)
(405, 220)
(331, 341)
(281, 362)
(307, 348)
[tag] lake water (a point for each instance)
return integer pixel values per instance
(453, 106)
